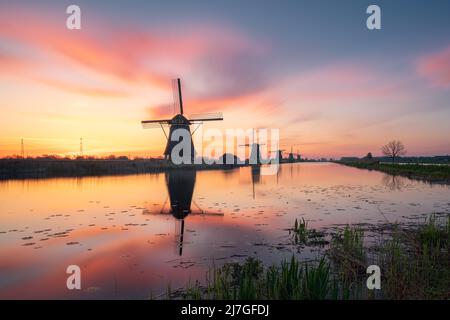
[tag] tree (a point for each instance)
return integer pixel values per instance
(369, 156)
(393, 149)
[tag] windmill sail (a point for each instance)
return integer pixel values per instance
(155, 125)
(216, 116)
(176, 96)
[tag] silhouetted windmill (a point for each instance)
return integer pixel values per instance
(255, 153)
(179, 121)
(291, 156)
(279, 154)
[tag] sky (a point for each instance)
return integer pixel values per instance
(311, 69)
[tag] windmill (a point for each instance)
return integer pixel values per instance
(180, 121)
(279, 154)
(255, 153)
(291, 156)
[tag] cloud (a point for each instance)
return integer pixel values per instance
(10, 63)
(340, 82)
(216, 62)
(436, 67)
(83, 89)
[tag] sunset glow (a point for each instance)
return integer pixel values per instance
(58, 85)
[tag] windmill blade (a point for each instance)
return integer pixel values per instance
(158, 121)
(164, 205)
(155, 125)
(198, 207)
(152, 124)
(216, 116)
(175, 96)
(204, 213)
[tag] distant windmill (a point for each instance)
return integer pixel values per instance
(179, 121)
(255, 153)
(291, 156)
(279, 154)
(22, 149)
(299, 157)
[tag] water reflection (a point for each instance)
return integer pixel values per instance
(256, 177)
(180, 189)
(394, 182)
(123, 225)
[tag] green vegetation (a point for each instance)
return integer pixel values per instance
(291, 280)
(349, 258)
(302, 235)
(432, 173)
(301, 230)
(414, 264)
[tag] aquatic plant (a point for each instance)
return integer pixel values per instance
(347, 250)
(301, 230)
(416, 261)
(414, 264)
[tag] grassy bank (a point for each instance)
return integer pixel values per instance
(431, 173)
(46, 168)
(414, 264)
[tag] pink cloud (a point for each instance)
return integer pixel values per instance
(339, 83)
(436, 67)
(210, 55)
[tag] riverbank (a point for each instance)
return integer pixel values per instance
(431, 172)
(413, 262)
(46, 168)
(32, 168)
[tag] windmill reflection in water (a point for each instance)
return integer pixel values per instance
(180, 187)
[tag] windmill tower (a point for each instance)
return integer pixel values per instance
(279, 154)
(255, 153)
(22, 149)
(180, 121)
(291, 156)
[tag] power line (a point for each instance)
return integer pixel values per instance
(22, 149)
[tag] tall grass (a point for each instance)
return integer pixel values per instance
(300, 230)
(417, 262)
(290, 280)
(414, 265)
(306, 236)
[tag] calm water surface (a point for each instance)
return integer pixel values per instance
(133, 235)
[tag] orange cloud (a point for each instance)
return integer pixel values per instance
(82, 89)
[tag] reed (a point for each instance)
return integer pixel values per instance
(414, 264)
